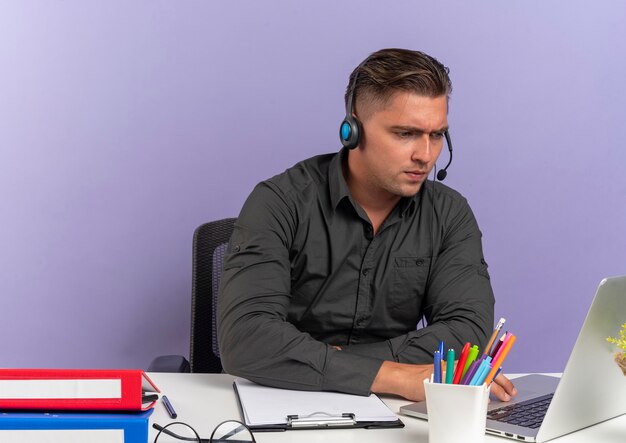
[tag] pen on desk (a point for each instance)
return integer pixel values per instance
(169, 407)
(437, 367)
(450, 366)
(496, 331)
(458, 372)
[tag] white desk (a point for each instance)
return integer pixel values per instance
(205, 400)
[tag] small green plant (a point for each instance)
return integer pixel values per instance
(620, 357)
(621, 341)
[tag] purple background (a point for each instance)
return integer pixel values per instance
(124, 125)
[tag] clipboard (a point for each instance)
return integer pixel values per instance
(294, 410)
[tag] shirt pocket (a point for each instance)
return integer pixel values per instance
(408, 285)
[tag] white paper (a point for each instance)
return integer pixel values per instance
(263, 405)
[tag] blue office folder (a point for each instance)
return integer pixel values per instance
(65, 427)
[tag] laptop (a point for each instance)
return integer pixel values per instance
(591, 390)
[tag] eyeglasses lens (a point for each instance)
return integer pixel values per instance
(177, 432)
(232, 432)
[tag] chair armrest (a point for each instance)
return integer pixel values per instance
(169, 363)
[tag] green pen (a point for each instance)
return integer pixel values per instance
(450, 366)
(473, 353)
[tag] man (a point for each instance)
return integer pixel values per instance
(333, 263)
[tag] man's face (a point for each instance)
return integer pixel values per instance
(401, 143)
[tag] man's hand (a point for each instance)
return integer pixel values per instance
(402, 379)
(502, 388)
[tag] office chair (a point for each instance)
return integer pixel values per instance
(210, 241)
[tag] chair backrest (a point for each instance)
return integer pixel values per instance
(210, 241)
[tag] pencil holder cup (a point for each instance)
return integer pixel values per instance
(456, 413)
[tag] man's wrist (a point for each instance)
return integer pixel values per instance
(402, 379)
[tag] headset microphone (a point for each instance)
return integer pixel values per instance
(441, 175)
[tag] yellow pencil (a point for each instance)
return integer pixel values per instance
(494, 335)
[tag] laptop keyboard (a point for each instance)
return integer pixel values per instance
(529, 413)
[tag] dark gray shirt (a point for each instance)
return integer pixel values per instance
(304, 273)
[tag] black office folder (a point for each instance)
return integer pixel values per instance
(293, 410)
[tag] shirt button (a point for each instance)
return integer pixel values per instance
(365, 271)
(236, 248)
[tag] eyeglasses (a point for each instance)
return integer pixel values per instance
(230, 431)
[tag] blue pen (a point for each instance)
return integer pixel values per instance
(450, 366)
(483, 375)
(488, 368)
(437, 364)
(443, 356)
(479, 366)
(487, 371)
(477, 374)
(169, 407)
(479, 362)
(497, 372)
(483, 370)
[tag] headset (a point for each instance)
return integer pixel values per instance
(351, 128)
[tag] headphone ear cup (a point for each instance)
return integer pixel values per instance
(350, 132)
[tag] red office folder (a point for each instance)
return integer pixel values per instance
(74, 389)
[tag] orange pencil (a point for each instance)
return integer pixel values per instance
(498, 362)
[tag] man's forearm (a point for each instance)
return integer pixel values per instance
(407, 381)
(402, 379)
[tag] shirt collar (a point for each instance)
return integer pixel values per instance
(339, 188)
(336, 181)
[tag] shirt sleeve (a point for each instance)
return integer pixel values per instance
(256, 341)
(459, 302)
